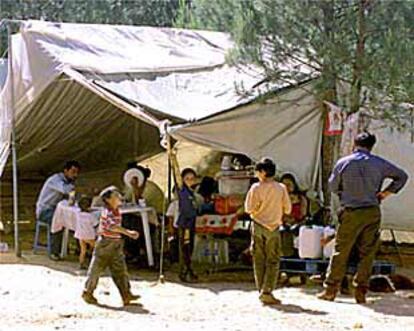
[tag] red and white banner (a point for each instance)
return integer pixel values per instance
(334, 120)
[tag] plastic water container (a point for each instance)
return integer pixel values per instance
(229, 185)
(310, 242)
(328, 249)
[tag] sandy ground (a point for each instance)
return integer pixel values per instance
(38, 295)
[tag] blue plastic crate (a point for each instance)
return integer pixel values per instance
(318, 266)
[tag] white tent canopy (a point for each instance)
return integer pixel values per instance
(101, 93)
(3, 72)
(81, 90)
(398, 147)
(71, 81)
(286, 127)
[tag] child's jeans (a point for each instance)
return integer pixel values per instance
(186, 245)
(108, 253)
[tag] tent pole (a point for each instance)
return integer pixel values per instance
(161, 279)
(169, 178)
(394, 239)
(13, 147)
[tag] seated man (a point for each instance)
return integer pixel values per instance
(56, 189)
(154, 197)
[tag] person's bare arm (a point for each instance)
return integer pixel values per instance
(129, 233)
(252, 203)
(303, 206)
(287, 204)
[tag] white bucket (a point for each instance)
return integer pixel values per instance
(310, 246)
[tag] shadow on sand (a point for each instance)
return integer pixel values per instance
(393, 305)
(135, 308)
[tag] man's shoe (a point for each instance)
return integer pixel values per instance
(183, 277)
(192, 277)
(54, 257)
(83, 266)
(129, 298)
(360, 295)
(89, 298)
(269, 300)
(329, 294)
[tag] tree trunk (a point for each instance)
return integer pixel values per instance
(359, 62)
(330, 144)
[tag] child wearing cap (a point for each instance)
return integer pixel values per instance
(108, 252)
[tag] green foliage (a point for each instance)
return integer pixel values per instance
(322, 35)
(128, 12)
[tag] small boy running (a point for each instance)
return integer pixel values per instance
(267, 202)
(108, 251)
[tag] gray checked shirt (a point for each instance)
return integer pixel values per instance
(53, 191)
(359, 177)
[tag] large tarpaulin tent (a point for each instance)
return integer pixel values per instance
(286, 127)
(78, 89)
(253, 131)
(101, 94)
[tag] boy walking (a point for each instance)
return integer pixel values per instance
(108, 251)
(267, 202)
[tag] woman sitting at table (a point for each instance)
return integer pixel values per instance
(297, 216)
(141, 189)
(147, 190)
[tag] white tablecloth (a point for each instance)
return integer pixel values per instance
(66, 218)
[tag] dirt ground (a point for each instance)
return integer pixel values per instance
(37, 294)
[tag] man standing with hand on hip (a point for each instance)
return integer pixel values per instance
(358, 179)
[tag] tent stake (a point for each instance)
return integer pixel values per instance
(13, 147)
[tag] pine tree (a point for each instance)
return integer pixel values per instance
(366, 44)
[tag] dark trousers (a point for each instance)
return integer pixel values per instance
(108, 253)
(133, 247)
(358, 229)
(266, 250)
(186, 245)
(46, 216)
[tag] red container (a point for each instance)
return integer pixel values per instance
(225, 205)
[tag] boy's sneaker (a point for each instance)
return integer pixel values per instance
(360, 295)
(192, 277)
(129, 298)
(83, 266)
(269, 299)
(89, 298)
(183, 277)
(329, 294)
(54, 257)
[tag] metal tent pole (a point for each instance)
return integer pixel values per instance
(13, 146)
(164, 218)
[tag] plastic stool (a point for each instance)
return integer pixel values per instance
(211, 250)
(37, 245)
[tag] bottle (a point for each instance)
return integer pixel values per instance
(72, 198)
